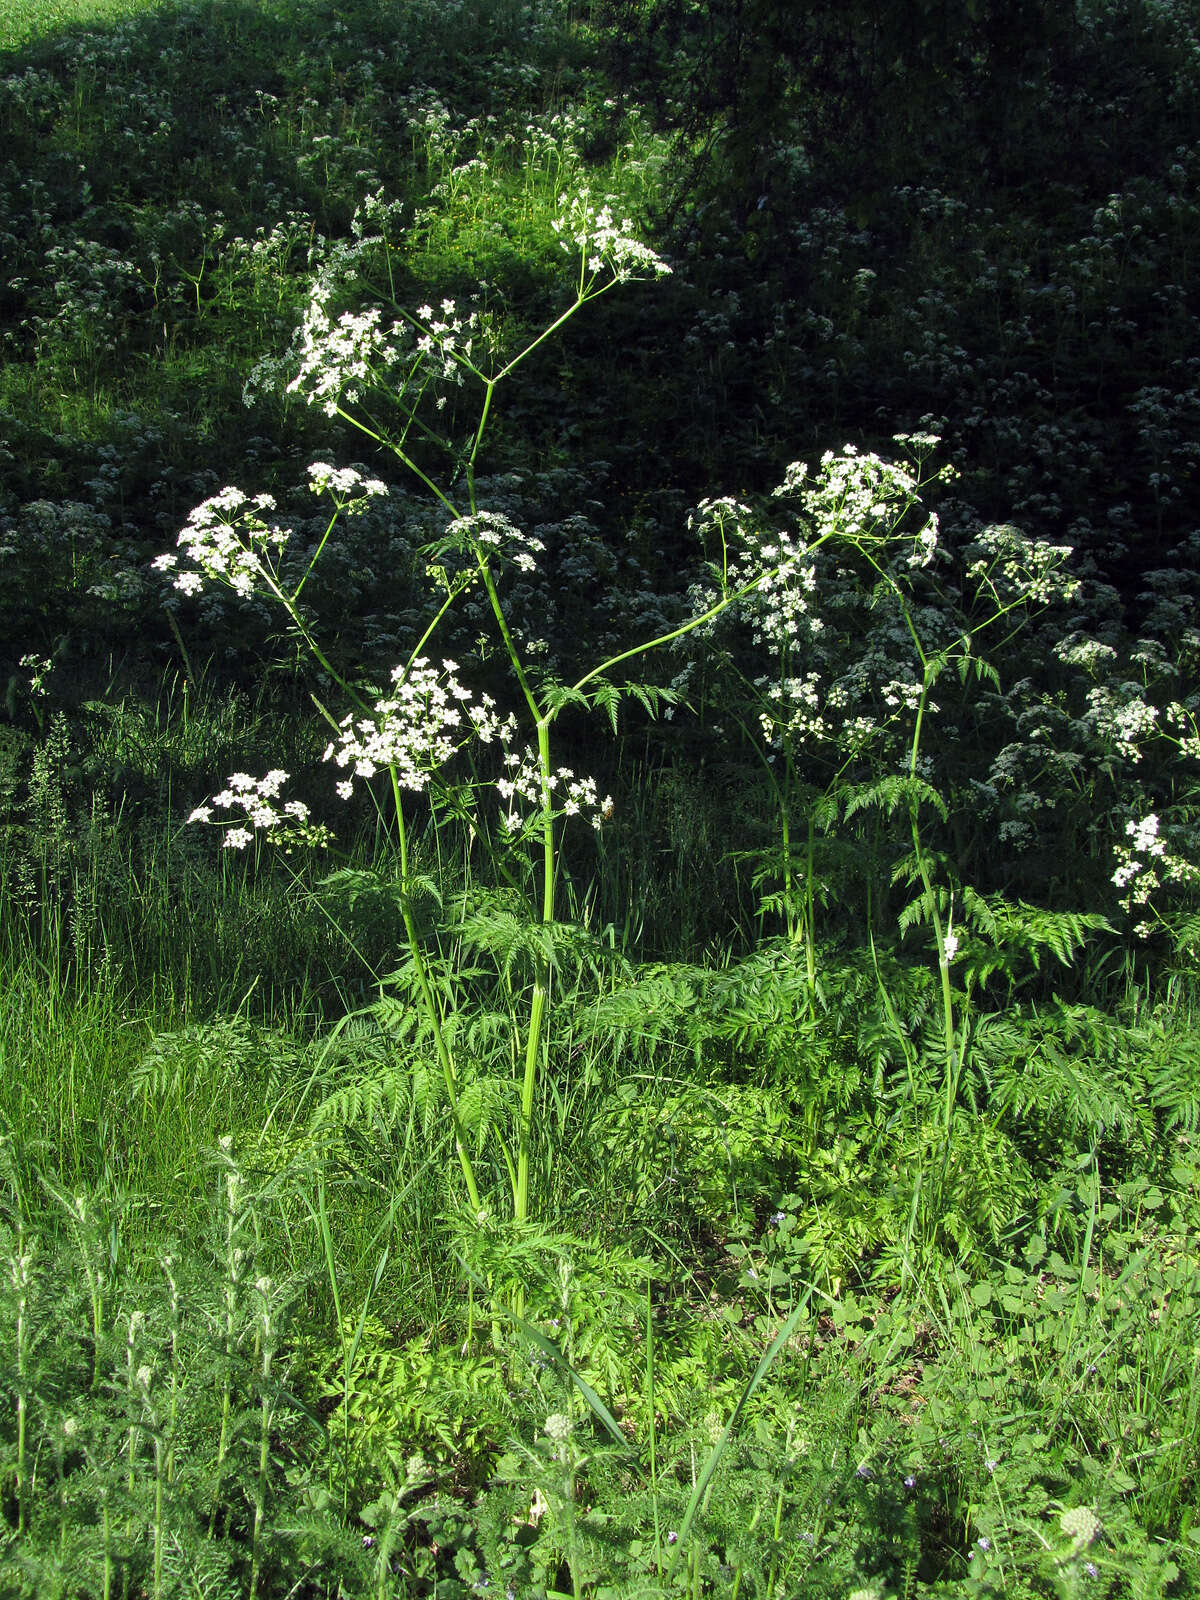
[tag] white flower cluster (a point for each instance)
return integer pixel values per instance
(794, 709)
(256, 799)
(416, 729)
(1144, 864)
(498, 537)
(904, 694)
(447, 340)
(228, 540)
(338, 358)
(603, 242)
(1120, 716)
(1012, 566)
(777, 567)
(570, 796)
(860, 498)
(348, 486)
(1178, 716)
(1077, 650)
(1144, 843)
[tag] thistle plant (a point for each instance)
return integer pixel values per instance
(361, 365)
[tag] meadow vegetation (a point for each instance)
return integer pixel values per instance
(599, 805)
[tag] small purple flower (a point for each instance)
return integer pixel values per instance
(777, 1219)
(910, 1482)
(864, 1471)
(991, 1463)
(672, 1536)
(1092, 1570)
(985, 1543)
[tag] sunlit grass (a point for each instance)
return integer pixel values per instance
(22, 20)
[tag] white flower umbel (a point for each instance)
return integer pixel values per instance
(776, 568)
(337, 359)
(349, 488)
(413, 731)
(340, 357)
(860, 497)
(1121, 717)
(496, 538)
(569, 796)
(1008, 564)
(1144, 865)
(255, 801)
(227, 540)
(603, 243)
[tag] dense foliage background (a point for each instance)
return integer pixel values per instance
(862, 1258)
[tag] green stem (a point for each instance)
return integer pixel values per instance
(445, 1060)
(260, 1490)
(159, 1472)
(541, 985)
(948, 1027)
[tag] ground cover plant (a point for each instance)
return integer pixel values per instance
(598, 800)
